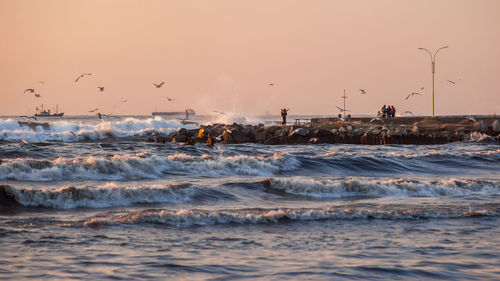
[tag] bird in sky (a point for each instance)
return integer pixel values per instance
(406, 112)
(363, 92)
(101, 89)
(342, 110)
(271, 84)
(41, 82)
(412, 94)
(94, 110)
(28, 117)
(159, 85)
(31, 91)
(421, 89)
(169, 99)
(81, 75)
(123, 101)
(452, 82)
(38, 95)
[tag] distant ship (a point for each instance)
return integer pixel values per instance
(187, 112)
(47, 113)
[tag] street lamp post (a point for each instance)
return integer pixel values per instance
(433, 70)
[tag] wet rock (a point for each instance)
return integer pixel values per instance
(7, 196)
(415, 130)
(299, 132)
(239, 137)
(496, 126)
(259, 135)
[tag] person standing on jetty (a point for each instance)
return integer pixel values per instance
(284, 112)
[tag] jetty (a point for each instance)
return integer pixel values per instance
(399, 130)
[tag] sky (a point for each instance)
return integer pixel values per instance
(223, 54)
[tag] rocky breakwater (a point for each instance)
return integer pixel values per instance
(347, 133)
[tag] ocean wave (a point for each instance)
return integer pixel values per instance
(381, 187)
(73, 131)
(143, 166)
(196, 217)
(411, 153)
(108, 195)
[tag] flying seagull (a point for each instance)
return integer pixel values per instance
(81, 75)
(101, 89)
(342, 109)
(159, 85)
(28, 117)
(406, 112)
(452, 82)
(123, 101)
(412, 94)
(271, 84)
(421, 89)
(169, 99)
(94, 110)
(363, 92)
(31, 91)
(38, 95)
(41, 82)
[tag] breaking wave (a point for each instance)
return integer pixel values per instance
(72, 131)
(143, 166)
(109, 195)
(195, 217)
(381, 187)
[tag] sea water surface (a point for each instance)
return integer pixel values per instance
(92, 199)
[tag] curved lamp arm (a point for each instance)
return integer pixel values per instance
(424, 49)
(438, 51)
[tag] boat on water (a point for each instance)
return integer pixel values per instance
(48, 113)
(187, 112)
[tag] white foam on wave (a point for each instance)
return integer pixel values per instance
(235, 117)
(479, 137)
(260, 165)
(108, 195)
(143, 166)
(187, 218)
(70, 131)
(382, 188)
(402, 152)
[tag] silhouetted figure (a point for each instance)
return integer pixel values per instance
(284, 112)
(384, 111)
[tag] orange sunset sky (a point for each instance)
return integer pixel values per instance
(222, 55)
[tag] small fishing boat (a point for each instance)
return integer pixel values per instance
(47, 112)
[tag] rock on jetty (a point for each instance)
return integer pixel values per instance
(425, 131)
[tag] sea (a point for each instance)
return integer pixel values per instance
(92, 199)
